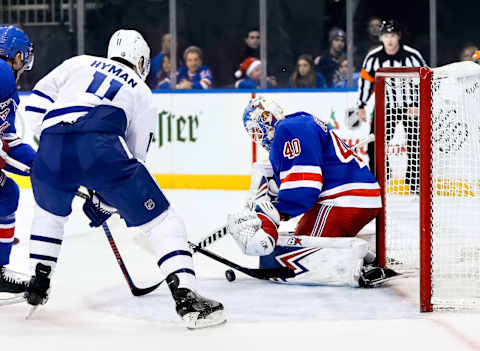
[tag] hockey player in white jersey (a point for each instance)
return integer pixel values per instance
(98, 118)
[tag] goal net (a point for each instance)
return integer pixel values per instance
(427, 125)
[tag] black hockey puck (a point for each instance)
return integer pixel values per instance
(16, 241)
(230, 275)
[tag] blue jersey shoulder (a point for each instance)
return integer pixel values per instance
(300, 123)
(8, 86)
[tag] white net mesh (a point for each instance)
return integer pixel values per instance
(455, 174)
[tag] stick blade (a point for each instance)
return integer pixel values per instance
(279, 272)
(140, 292)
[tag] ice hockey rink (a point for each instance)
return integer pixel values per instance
(91, 307)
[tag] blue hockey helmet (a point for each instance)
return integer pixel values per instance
(260, 118)
(14, 40)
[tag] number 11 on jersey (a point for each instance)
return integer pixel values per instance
(98, 79)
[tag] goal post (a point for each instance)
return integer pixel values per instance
(427, 129)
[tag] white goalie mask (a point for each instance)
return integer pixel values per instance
(130, 46)
(260, 118)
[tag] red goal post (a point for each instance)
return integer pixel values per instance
(427, 131)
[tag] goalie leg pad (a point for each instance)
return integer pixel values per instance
(334, 265)
(332, 221)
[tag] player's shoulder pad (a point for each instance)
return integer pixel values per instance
(8, 84)
(299, 123)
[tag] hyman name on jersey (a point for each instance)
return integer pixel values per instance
(113, 69)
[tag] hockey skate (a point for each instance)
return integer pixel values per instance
(374, 276)
(195, 310)
(11, 282)
(37, 291)
(14, 284)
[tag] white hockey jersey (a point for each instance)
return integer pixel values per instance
(83, 82)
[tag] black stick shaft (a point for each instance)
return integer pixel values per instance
(268, 273)
(135, 290)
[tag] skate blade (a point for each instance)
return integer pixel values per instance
(395, 277)
(191, 320)
(31, 312)
(12, 300)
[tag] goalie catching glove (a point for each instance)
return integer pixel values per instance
(96, 209)
(255, 231)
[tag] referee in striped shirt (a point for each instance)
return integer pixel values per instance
(391, 54)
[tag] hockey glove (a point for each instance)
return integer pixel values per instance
(96, 209)
(3, 153)
(255, 231)
(39, 286)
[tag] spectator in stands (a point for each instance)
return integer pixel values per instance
(305, 76)
(370, 42)
(340, 78)
(251, 70)
(252, 42)
(157, 62)
(327, 63)
(194, 75)
(467, 52)
(164, 75)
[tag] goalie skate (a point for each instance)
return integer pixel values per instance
(373, 277)
(196, 311)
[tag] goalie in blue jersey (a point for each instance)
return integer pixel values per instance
(313, 173)
(16, 56)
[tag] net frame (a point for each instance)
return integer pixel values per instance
(425, 189)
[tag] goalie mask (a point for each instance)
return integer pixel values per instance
(260, 118)
(130, 46)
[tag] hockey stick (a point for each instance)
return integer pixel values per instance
(259, 273)
(367, 140)
(136, 291)
(17, 164)
(211, 238)
(282, 272)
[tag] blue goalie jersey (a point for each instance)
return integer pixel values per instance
(311, 164)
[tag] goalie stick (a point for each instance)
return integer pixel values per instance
(259, 273)
(367, 140)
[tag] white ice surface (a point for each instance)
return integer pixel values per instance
(91, 308)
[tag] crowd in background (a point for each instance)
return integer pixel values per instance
(328, 70)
